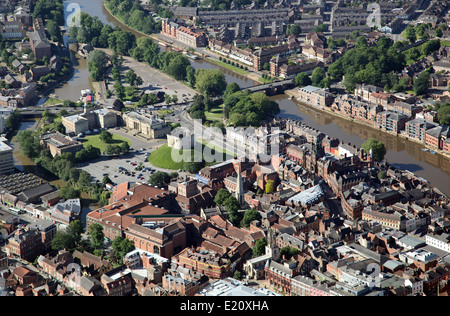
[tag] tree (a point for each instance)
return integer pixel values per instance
(68, 192)
(75, 229)
(221, 196)
(410, 34)
(259, 248)
(63, 240)
(113, 150)
(160, 179)
(288, 252)
(190, 76)
(97, 62)
(210, 82)
(377, 147)
(106, 136)
(237, 275)
(230, 89)
(29, 145)
(422, 83)
(270, 186)
(193, 166)
(317, 76)
(293, 30)
(106, 180)
(250, 216)
(177, 67)
(130, 77)
(232, 206)
(121, 246)
(237, 119)
(96, 235)
(444, 114)
(302, 79)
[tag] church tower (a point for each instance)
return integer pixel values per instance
(239, 194)
(272, 249)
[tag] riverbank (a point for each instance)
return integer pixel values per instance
(172, 43)
(294, 97)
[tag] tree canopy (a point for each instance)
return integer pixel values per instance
(377, 147)
(210, 82)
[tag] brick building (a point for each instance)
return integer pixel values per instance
(165, 241)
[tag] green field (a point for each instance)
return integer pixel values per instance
(165, 112)
(162, 158)
(229, 66)
(95, 141)
(215, 114)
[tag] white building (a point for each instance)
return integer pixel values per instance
(441, 242)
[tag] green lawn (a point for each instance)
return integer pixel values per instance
(445, 43)
(95, 141)
(215, 114)
(162, 158)
(229, 66)
(165, 112)
(53, 101)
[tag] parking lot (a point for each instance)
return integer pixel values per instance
(106, 166)
(159, 81)
(123, 168)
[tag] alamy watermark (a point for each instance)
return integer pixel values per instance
(73, 19)
(374, 18)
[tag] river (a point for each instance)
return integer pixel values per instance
(401, 153)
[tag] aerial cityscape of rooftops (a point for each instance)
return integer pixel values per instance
(217, 148)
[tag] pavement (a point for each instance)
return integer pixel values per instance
(110, 166)
(158, 80)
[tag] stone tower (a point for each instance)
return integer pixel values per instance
(239, 194)
(272, 249)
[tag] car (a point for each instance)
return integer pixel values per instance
(165, 88)
(115, 176)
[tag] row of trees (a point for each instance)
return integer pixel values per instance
(226, 199)
(63, 167)
(72, 239)
(132, 14)
(443, 111)
(243, 108)
(368, 64)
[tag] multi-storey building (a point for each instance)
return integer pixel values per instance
(206, 262)
(25, 244)
(186, 35)
(415, 129)
(6, 159)
(146, 125)
(391, 121)
(58, 143)
(315, 96)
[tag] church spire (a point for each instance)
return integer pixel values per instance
(239, 194)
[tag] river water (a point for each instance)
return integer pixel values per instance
(400, 152)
